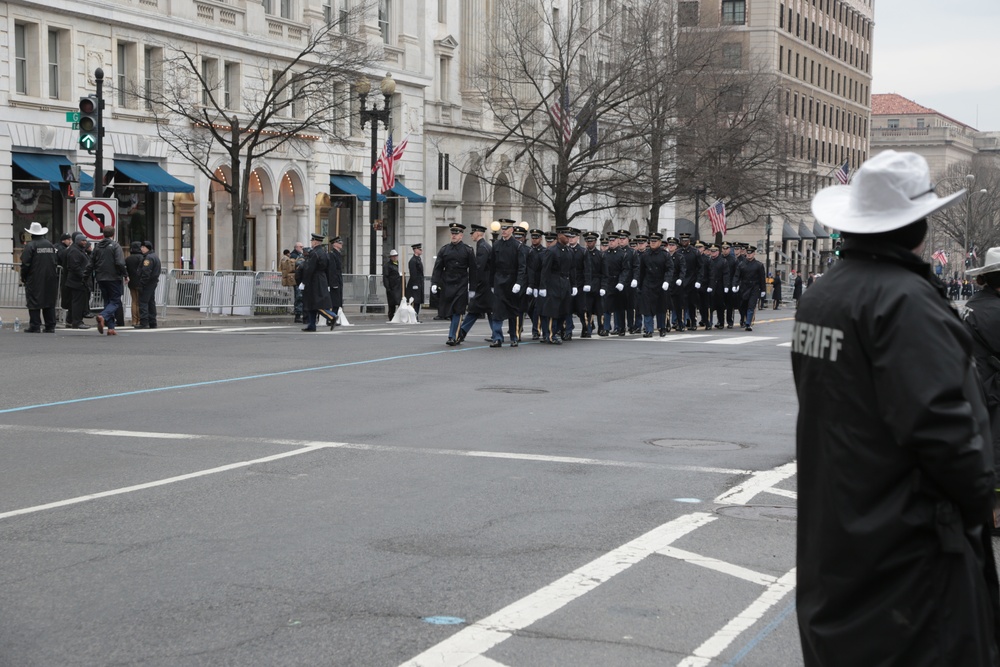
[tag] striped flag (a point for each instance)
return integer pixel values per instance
(843, 173)
(387, 161)
(560, 115)
(717, 214)
(940, 257)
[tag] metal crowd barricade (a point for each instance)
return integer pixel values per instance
(232, 293)
(356, 290)
(270, 296)
(188, 288)
(11, 290)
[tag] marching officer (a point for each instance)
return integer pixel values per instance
(555, 286)
(315, 282)
(508, 276)
(718, 284)
(594, 268)
(689, 257)
(415, 281)
(750, 285)
(454, 276)
(533, 262)
(480, 300)
(582, 278)
(617, 271)
(656, 274)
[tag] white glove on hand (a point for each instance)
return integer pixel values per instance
(541, 292)
(516, 289)
(434, 289)
(635, 283)
(736, 288)
(574, 292)
(678, 282)
(665, 286)
(709, 290)
(472, 294)
(602, 292)
(726, 290)
(697, 285)
(763, 294)
(302, 286)
(619, 287)
(415, 287)
(532, 291)
(586, 288)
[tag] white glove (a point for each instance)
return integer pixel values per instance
(619, 287)
(665, 286)
(726, 290)
(697, 285)
(542, 292)
(736, 288)
(472, 294)
(532, 291)
(678, 282)
(574, 292)
(763, 294)
(602, 292)
(493, 290)
(709, 290)
(635, 283)
(586, 288)
(302, 285)
(415, 287)
(516, 289)
(434, 289)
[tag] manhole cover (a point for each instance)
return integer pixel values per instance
(513, 390)
(760, 512)
(703, 445)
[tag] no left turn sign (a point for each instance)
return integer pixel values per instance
(93, 214)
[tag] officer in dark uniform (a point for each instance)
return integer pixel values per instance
(656, 274)
(749, 285)
(520, 235)
(415, 281)
(454, 276)
(579, 298)
(729, 297)
(536, 253)
(718, 284)
(556, 287)
(674, 298)
(632, 322)
(393, 283)
(40, 278)
(508, 276)
(480, 304)
(149, 278)
(740, 252)
(704, 277)
(591, 292)
(687, 303)
(617, 272)
(335, 278)
(313, 276)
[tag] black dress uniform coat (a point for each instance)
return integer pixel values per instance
(454, 275)
(39, 274)
(750, 280)
(617, 270)
(557, 280)
(316, 295)
(483, 301)
(393, 284)
(582, 277)
(415, 281)
(594, 265)
(895, 470)
(335, 278)
(655, 268)
(507, 269)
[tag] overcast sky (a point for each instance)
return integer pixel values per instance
(943, 54)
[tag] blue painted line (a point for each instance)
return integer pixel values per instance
(686, 500)
(443, 620)
(207, 383)
(761, 635)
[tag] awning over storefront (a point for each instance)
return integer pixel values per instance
(401, 190)
(45, 167)
(820, 232)
(788, 233)
(153, 175)
(349, 185)
(805, 232)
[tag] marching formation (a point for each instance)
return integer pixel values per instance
(614, 286)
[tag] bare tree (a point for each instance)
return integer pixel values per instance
(287, 100)
(975, 222)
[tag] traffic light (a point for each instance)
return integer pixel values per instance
(89, 127)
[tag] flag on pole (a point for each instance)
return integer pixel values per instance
(843, 173)
(561, 116)
(940, 257)
(387, 161)
(717, 214)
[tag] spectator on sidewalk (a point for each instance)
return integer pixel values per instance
(107, 263)
(77, 270)
(393, 284)
(149, 278)
(41, 283)
(133, 263)
(287, 268)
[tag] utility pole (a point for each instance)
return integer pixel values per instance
(99, 154)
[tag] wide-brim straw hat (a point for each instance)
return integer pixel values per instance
(992, 263)
(889, 191)
(36, 229)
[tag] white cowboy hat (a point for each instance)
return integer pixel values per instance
(992, 263)
(36, 229)
(889, 191)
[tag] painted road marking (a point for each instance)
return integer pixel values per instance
(719, 566)
(474, 640)
(783, 492)
(759, 482)
(743, 340)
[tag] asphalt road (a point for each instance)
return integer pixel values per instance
(263, 496)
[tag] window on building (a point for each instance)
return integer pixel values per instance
(781, 16)
(920, 123)
(443, 169)
(442, 11)
(444, 79)
(734, 12)
(126, 74)
(286, 9)
(152, 59)
(268, 6)
(57, 71)
(279, 94)
(231, 81)
(210, 80)
(384, 16)
(892, 124)
(22, 36)
(731, 98)
(298, 102)
(732, 55)
(687, 14)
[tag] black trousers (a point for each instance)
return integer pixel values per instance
(147, 304)
(79, 301)
(35, 316)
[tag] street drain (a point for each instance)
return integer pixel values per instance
(513, 390)
(703, 445)
(759, 512)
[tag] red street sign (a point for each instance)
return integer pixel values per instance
(93, 214)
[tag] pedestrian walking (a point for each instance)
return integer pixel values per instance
(796, 288)
(65, 241)
(480, 299)
(149, 278)
(133, 265)
(776, 291)
(39, 274)
(287, 268)
(508, 276)
(415, 279)
(749, 286)
(895, 466)
(335, 278)
(78, 281)
(107, 264)
(314, 282)
(454, 276)
(393, 283)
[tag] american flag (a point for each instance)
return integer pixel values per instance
(560, 115)
(717, 214)
(387, 161)
(940, 257)
(843, 173)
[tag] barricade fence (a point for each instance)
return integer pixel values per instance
(240, 293)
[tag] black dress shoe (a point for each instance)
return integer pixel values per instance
(535, 336)
(52, 330)
(729, 326)
(513, 343)
(555, 340)
(681, 329)
(663, 333)
(749, 328)
(142, 326)
(568, 336)
(309, 329)
(496, 343)
(719, 326)
(451, 342)
(647, 334)
(81, 326)
(621, 332)
(585, 334)
(32, 330)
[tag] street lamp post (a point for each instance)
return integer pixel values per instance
(374, 116)
(698, 194)
(970, 179)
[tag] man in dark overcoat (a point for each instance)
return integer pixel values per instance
(480, 299)
(335, 278)
(749, 285)
(532, 307)
(508, 276)
(593, 273)
(78, 281)
(415, 280)
(454, 277)
(555, 287)
(718, 284)
(315, 282)
(393, 283)
(686, 307)
(656, 275)
(41, 279)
